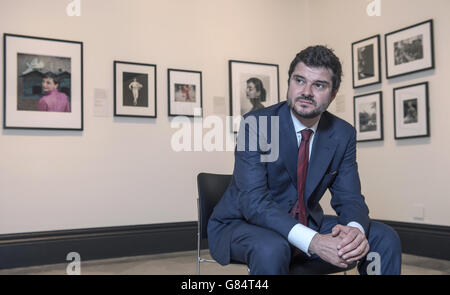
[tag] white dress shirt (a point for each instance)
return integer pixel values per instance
(300, 236)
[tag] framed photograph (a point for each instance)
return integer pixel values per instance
(185, 93)
(368, 115)
(43, 83)
(410, 50)
(134, 89)
(366, 62)
(411, 111)
(253, 86)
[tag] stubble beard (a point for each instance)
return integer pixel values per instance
(318, 110)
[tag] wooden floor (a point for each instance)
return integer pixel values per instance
(184, 263)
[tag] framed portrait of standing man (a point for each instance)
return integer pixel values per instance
(134, 89)
(366, 62)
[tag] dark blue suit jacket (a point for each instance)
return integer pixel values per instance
(263, 193)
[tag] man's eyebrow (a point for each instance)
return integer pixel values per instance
(316, 81)
(322, 81)
(298, 76)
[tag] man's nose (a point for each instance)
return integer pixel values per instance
(307, 91)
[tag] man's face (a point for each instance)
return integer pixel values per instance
(310, 91)
(48, 84)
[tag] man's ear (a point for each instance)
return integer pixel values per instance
(333, 95)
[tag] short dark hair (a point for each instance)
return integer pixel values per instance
(319, 56)
(52, 76)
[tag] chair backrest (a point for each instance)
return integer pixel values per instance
(211, 188)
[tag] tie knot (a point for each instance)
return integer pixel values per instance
(306, 134)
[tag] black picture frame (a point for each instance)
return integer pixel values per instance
(185, 93)
(410, 50)
(29, 62)
(135, 89)
(368, 116)
(239, 73)
(366, 62)
(411, 111)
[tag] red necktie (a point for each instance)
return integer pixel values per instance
(302, 168)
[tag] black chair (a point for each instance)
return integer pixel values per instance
(211, 187)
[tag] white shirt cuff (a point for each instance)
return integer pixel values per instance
(300, 236)
(357, 225)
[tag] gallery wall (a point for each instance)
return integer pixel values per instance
(402, 180)
(123, 171)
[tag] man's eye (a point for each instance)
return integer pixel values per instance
(319, 85)
(300, 81)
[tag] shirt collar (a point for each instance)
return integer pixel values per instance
(298, 126)
(51, 92)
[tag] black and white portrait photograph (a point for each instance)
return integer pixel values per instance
(411, 111)
(134, 89)
(43, 83)
(368, 117)
(366, 62)
(184, 92)
(253, 86)
(410, 50)
(254, 91)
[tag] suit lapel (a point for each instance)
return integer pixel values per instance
(323, 149)
(322, 153)
(288, 143)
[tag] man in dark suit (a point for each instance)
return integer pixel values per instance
(270, 217)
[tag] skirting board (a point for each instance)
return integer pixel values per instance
(423, 239)
(21, 250)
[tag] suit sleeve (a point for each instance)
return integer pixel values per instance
(346, 197)
(254, 197)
